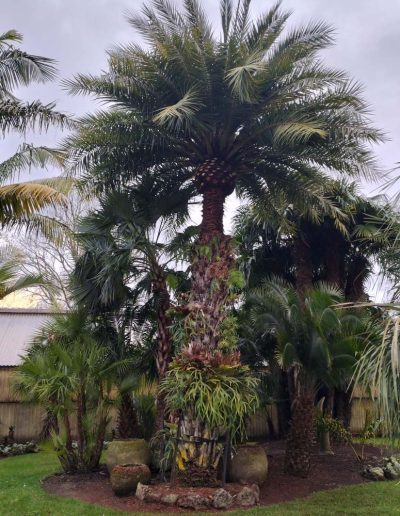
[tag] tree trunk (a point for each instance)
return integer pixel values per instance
(325, 438)
(163, 353)
(302, 433)
(68, 434)
(335, 254)
(283, 404)
(212, 263)
(304, 264)
(357, 273)
(127, 424)
(198, 453)
(343, 405)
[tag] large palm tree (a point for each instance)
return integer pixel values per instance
(254, 110)
(20, 202)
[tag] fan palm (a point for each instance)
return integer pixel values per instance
(254, 110)
(316, 342)
(20, 202)
(125, 258)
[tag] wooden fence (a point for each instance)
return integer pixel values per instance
(27, 419)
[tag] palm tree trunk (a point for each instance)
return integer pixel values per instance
(163, 354)
(335, 252)
(212, 262)
(301, 431)
(304, 264)
(301, 434)
(357, 273)
(325, 441)
(127, 424)
(343, 405)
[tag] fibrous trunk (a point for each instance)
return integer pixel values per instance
(198, 452)
(212, 262)
(301, 433)
(127, 423)
(335, 253)
(304, 265)
(163, 353)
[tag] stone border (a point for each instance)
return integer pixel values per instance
(248, 496)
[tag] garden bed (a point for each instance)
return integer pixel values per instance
(328, 472)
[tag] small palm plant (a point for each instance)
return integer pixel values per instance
(315, 342)
(69, 373)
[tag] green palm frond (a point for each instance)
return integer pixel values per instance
(10, 278)
(28, 156)
(177, 116)
(19, 116)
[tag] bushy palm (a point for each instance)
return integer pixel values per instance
(254, 110)
(316, 342)
(68, 371)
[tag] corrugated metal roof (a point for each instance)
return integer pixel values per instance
(17, 327)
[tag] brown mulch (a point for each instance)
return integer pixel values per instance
(328, 472)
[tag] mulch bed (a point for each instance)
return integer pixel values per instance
(328, 472)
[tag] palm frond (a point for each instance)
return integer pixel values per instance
(28, 156)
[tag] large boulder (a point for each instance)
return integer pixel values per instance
(126, 477)
(127, 451)
(249, 465)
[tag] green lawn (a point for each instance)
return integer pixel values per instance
(21, 494)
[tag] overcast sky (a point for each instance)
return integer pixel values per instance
(77, 32)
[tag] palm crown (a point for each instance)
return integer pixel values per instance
(254, 109)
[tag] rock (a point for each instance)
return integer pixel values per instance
(396, 464)
(169, 499)
(127, 451)
(374, 473)
(222, 499)
(256, 490)
(141, 491)
(390, 472)
(246, 497)
(249, 465)
(193, 502)
(152, 496)
(126, 477)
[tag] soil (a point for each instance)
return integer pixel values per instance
(328, 472)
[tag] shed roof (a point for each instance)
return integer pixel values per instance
(17, 327)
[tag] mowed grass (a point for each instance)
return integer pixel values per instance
(21, 494)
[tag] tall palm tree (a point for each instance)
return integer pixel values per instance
(315, 341)
(20, 202)
(254, 110)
